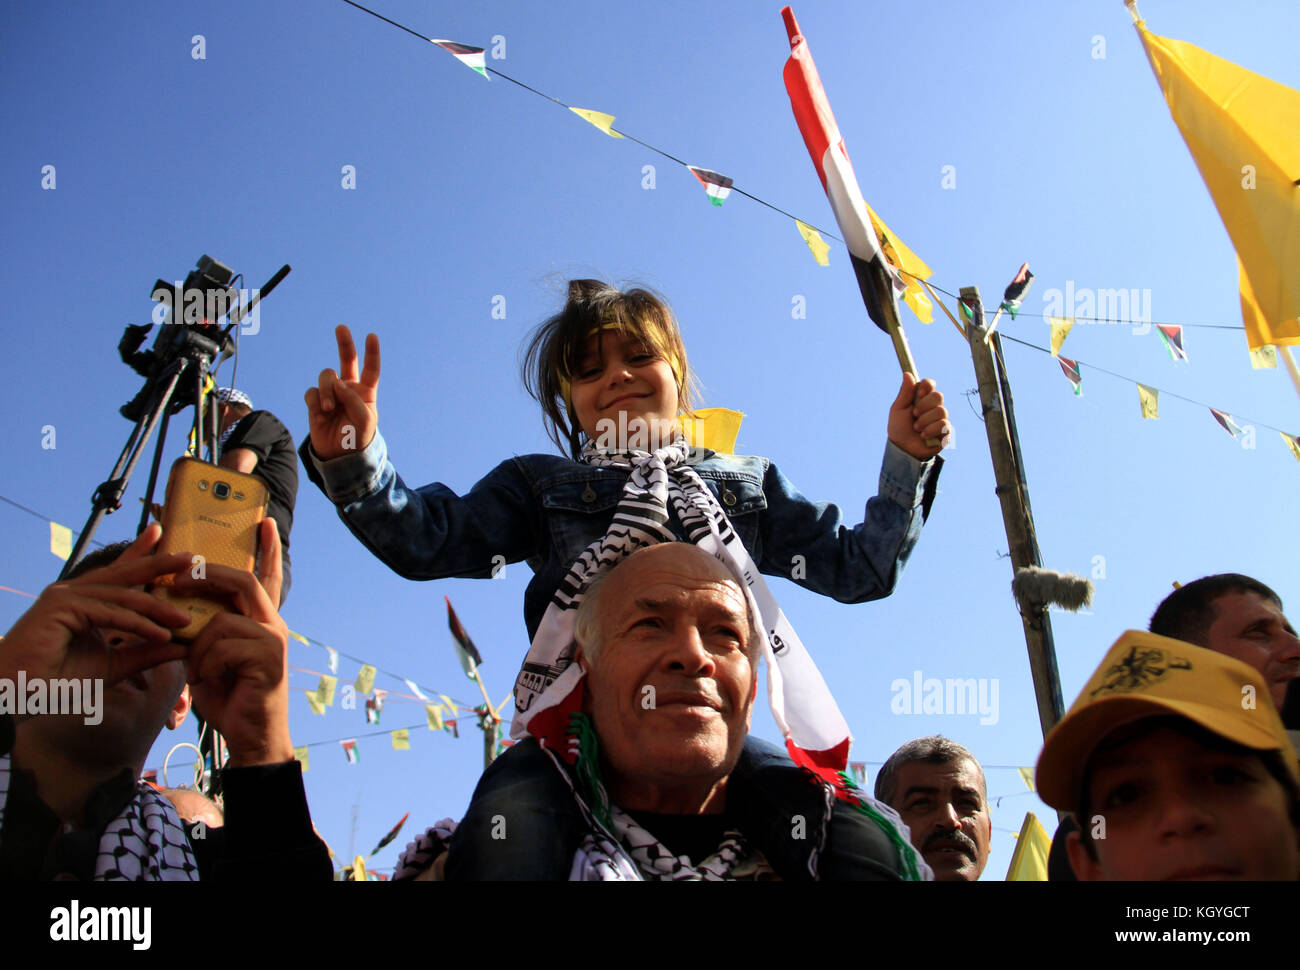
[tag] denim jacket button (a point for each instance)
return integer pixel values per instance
(728, 497)
(589, 495)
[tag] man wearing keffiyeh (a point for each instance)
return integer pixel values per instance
(666, 782)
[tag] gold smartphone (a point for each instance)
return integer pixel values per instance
(211, 512)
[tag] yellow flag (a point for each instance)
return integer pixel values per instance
(365, 679)
(902, 258)
(433, 713)
(1060, 330)
(401, 739)
(1292, 442)
(451, 705)
(60, 540)
(314, 701)
(1264, 358)
(1150, 399)
(300, 755)
(1242, 131)
(325, 689)
(1027, 776)
(599, 119)
(299, 637)
(713, 428)
(359, 869)
(1029, 860)
(818, 246)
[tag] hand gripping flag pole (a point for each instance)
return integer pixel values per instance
(879, 282)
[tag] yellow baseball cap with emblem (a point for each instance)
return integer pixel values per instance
(1144, 675)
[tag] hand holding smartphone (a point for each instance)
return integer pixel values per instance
(212, 512)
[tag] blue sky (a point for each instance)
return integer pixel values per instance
(472, 194)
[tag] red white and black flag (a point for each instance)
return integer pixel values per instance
(877, 280)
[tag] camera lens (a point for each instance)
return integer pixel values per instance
(221, 490)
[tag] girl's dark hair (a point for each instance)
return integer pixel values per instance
(553, 351)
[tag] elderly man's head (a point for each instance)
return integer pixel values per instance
(938, 788)
(671, 655)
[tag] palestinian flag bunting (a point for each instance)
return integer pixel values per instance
(471, 57)
(1173, 340)
(1226, 422)
(717, 186)
(350, 750)
(391, 835)
(879, 282)
(1072, 374)
(1015, 292)
(466, 652)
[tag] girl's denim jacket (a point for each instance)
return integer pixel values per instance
(545, 509)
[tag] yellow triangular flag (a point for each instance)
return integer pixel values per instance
(713, 428)
(1292, 442)
(1241, 130)
(1029, 860)
(300, 755)
(451, 705)
(433, 713)
(314, 701)
(325, 689)
(1027, 776)
(599, 119)
(365, 679)
(914, 270)
(818, 246)
(1060, 330)
(1150, 399)
(60, 540)
(1264, 358)
(299, 637)
(359, 869)
(401, 739)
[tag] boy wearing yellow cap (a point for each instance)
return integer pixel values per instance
(1177, 767)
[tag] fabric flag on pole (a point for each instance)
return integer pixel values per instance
(334, 659)
(1029, 860)
(1150, 399)
(1172, 337)
(1226, 422)
(1015, 292)
(1072, 373)
(597, 119)
(1060, 330)
(350, 750)
(365, 682)
(1241, 130)
(411, 685)
(466, 652)
(401, 739)
(717, 186)
(471, 57)
(300, 755)
(1027, 776)
(1264, 358)
(60, 540)
(433, 713)
(325, 690)
(392, 834)
(818, 246)
(1292, 442)
(877, 279)
(314, 701)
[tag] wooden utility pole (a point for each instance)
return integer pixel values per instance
(1013, 492)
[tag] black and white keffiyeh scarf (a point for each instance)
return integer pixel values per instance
(144, 843)
(801, 702)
